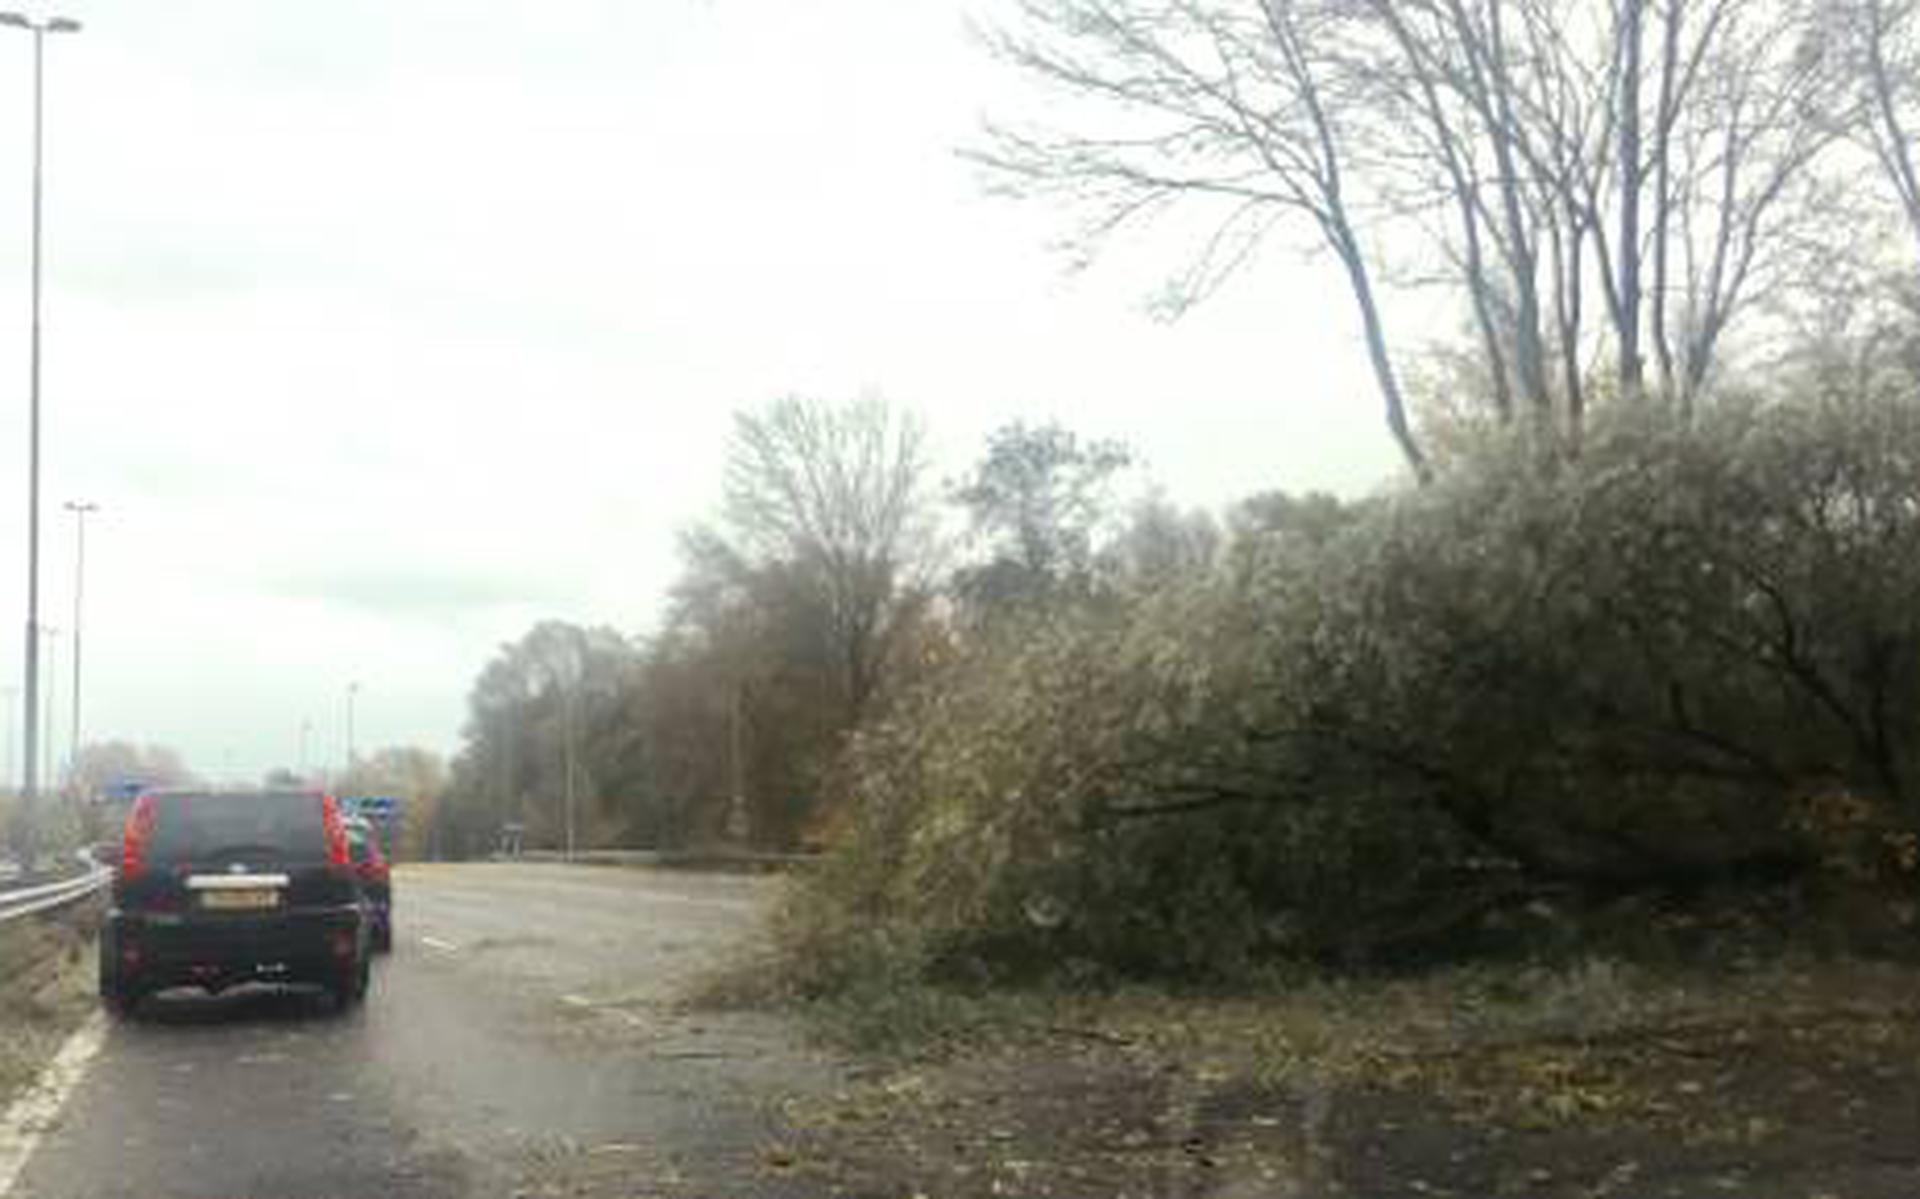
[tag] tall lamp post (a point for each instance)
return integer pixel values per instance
(80, 510)
(23, 832)
(567, 702)
(52, 633)
(353, 690)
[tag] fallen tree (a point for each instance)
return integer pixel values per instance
(1684, 664)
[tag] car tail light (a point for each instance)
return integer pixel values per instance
(339, 857)
(139, 831)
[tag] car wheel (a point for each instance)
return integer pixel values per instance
(116, 996)
(350, 986)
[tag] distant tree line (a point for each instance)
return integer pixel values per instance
(834, 576)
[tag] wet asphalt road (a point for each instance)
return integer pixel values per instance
(520, 1040)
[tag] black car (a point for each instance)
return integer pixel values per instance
(216, 889)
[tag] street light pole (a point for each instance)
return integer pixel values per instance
(23, 833)
(353, 689)
(567, 719)
(80, 509)
(53, 660)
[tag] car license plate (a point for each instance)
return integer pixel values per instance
(241, 900)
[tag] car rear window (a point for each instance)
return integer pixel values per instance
(192, 828)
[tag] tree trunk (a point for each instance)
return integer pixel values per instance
(1383, 372)
(1629, 242)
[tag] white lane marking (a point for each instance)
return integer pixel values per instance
(27, 1120)
(437, 943)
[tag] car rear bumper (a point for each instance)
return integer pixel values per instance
(154, 950)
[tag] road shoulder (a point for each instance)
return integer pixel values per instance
(1786, 1082)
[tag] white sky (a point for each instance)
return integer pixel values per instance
(381, 330)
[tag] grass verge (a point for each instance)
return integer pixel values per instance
(46, 990)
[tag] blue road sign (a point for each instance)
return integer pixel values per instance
(373, 807)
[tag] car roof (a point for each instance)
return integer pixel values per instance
(221, 792)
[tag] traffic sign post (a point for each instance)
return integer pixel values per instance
(373, 807)
(381, 811)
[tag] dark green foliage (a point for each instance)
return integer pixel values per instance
(1033, 503)
(549, 714)
(1632, 671)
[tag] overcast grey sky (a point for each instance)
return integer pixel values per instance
(381, 330)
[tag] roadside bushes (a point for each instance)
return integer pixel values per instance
(1638, 671)
(1686, 661)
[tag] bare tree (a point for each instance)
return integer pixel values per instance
(1537, 157)
(1235, 106)
(835, 495)
(1888, 39)
(105, 764)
